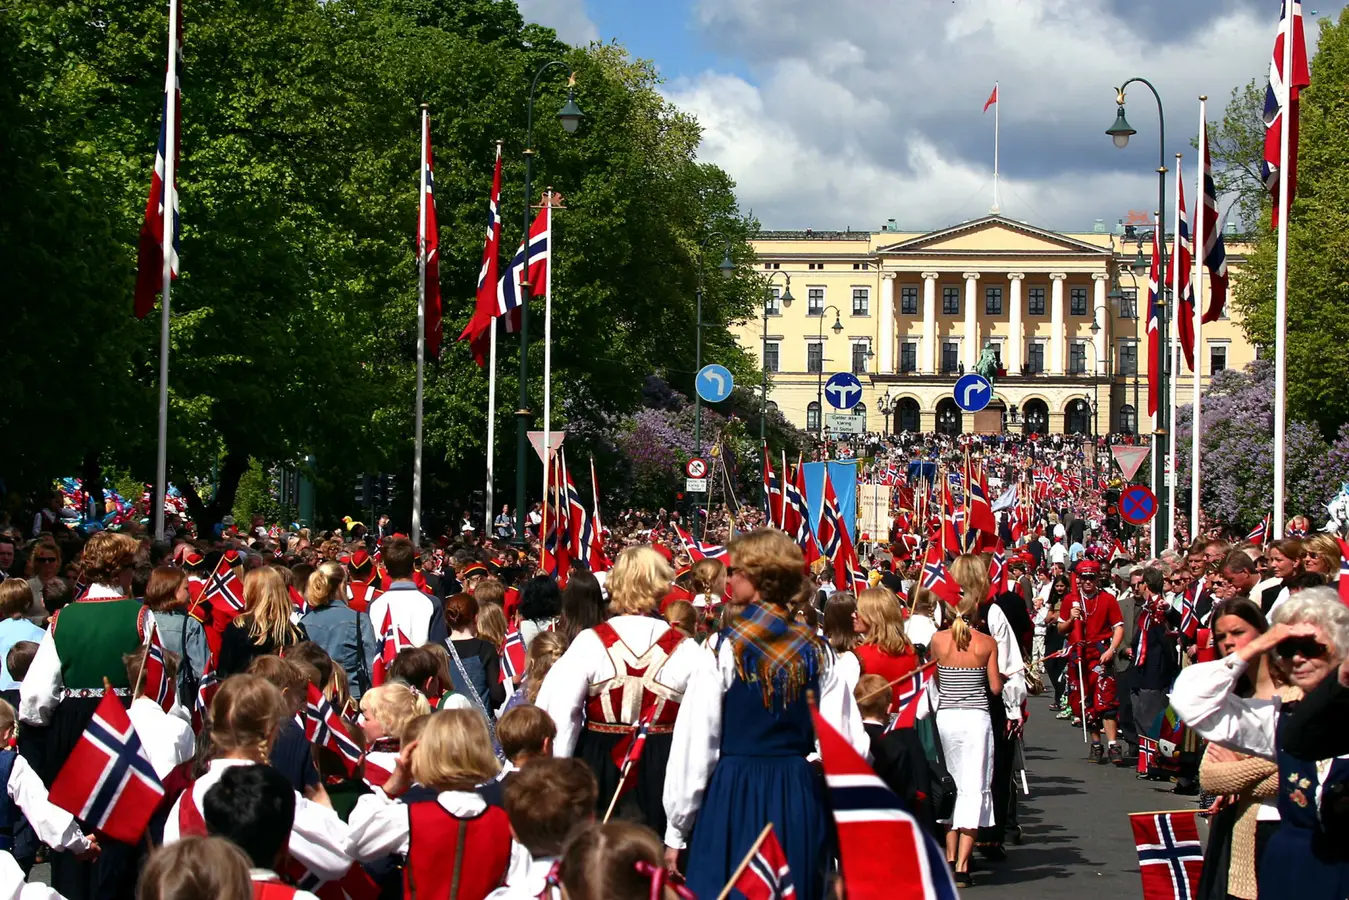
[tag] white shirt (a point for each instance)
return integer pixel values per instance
(318, 838)
(53, 825)
(528, 883)
(167, 739)
(1058, 553)
(1204, 698)
(409, 609)
(696, 748)
(1010, 663)
(43, 687)
(920, 629)
(13, 886)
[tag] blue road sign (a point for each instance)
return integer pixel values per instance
(973, 392)
(714, 383)
(843, 391)
(1137, 505)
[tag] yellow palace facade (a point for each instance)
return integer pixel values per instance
(1064, 315)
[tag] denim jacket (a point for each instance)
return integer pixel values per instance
(347, 637)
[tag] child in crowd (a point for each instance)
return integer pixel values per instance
(246, 717)
(17, 662)
(614, 861)
(898, 756)
(25, 798)
(385, 712)
(449, 834)
(15, 600)
(168, 739)
(197, 868)
(682, 615)
(545, 801)
(545, 650)
(290, 753)
(526, 733)
(254, 806)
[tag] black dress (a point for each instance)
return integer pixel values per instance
(237, 649)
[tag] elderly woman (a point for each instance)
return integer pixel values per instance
(1308, 857)
(631, 668)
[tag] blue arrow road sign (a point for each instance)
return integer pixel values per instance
(714, 383)
(843, 391)
(973, 392)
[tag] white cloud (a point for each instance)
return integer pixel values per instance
(858, 111)
(567, 17)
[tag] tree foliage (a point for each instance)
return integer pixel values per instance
(293, 327)
(1318, 250)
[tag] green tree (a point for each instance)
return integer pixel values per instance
(1318, 249)
(1237, 145)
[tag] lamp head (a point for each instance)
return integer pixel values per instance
(787, 297)
(727, 267)
(570, 114)
(1140, 261)
(1120, 131)
(838, 326)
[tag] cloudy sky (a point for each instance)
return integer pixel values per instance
(848, 112)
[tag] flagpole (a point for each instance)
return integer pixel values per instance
(997, 122)
(1281, 277)
(1173, 337)
(170, 235)
(547, 331)
(490, 506)
(1156, 466)
(421, 338)
(1196, 400)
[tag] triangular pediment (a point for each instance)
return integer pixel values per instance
(992, 235)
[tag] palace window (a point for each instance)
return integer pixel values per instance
(1217, 358)
(908, 301)
(993, 301)
(812, 416)
(815, 301)
(1035, 358)
(1077, 358)
(773, 305)
(908, 357)
(814, 357)
(950, 301)
(1077, 301)
(860, 352)
(1128, 305)
(861, 301)
(1035, 302)
(771, 353)
(950, 356)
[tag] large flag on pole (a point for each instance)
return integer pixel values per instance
(992, 98)
(150, 254)
(508, 288)
(428, 245)
(479, 326)
(1153, 326)
(1283, 84)
(1184, 259)
(1215, 252)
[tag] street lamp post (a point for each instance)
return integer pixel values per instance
(727, 269)
(570, 116)
(1120, 132)
(887, 405)
(819, 389)
(786, 299)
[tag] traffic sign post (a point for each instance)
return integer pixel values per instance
(843, 423)
(843, 391)
(695, 485)
(714, 383)
(1137, 504)
(973, 392)
(696, 468)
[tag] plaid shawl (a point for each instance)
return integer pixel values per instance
(780, 655)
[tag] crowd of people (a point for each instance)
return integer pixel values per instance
(494, 708)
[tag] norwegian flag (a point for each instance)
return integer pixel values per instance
(509, 296)
(151, 245)
(766, 875)
(323, 727)
(700, 550)
(1260, 532)
(298, 600)
(478, 330)
(356, 884)
(1189, 620)
(1290, 24)
(908, 696)
(1215, 251)
(513, 656)
(795, 518)
(1184, 258)
(428, 245)
(848, 574)
(155, 672)
(936, 579)
(772, 489)
(225, 586)
(391, 642)
(1147, 753)
(981, 512)
(831, 521)
(1170, 856)
(599, 562)
(628, 752)
(107, 780)
(1063, 653)
(1343, 583)
(997, 571)
(207, 688)
(580, 525)
(556, 560)
(1153, 326)
(885, 852)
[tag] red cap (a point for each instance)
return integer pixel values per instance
(1088, 567)
(360, 562)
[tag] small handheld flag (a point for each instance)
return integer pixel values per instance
(908, 697)
(626, 754)
(1170, 856)
(764, 873)
(513, 656)
(323, 727)
(108, 781)
(154, 675)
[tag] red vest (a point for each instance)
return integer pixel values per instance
(190, 820)
(618, 704)
(361, 595)
(435, 839)
(272, 890)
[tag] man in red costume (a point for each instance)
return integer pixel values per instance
(1094, 622)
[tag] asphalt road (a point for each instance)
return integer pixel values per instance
(1076, 836)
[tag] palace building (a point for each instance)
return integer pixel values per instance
(908, 313)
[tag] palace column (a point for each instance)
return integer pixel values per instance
(886, 330)
(1015, 342)
(1056, 280)
(971, 341)
(929, 364)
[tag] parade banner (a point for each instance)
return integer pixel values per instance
(844, 477)
(873, 511)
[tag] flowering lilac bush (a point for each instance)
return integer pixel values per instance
(1237, 452)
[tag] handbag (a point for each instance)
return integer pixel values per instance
(942, 785)
(477, 700)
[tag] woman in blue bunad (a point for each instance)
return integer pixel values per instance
(759, 724)
(1308, 857)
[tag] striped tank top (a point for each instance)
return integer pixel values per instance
(962, 688)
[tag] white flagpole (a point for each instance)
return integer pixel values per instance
(547, 332)
(421, 338)
(1200, 207)
(997, 121)
(1160, 287)
(1281, 279)
(490, 507)
(1173, 335)
(170, 203)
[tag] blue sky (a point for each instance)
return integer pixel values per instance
(846, 113)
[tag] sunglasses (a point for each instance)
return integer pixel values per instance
(1306, 647)
(45, 559)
